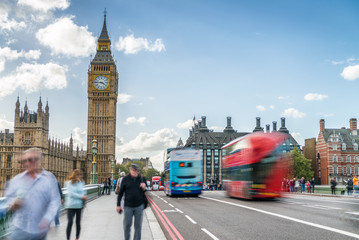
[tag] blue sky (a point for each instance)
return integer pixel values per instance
(177, 59)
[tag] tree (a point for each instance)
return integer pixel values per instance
(301, 165)
(150, 173)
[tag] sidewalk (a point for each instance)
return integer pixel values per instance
(101, 221)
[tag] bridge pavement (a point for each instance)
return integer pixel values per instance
(101, 221)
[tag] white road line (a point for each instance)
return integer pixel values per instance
(288, 218)
(165, 201)
(171, 205)
(318, 207)
(179, 210)
(194, 222)
(210, 234)
(325, 200)
(334, 208)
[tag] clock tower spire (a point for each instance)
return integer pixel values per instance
(102, 101)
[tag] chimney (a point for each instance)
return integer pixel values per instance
(283, 128)
(353, 126)
(229, 121)
(322, 125)
(267, 128)
(203, 121)
(274, 126)
(258, 125)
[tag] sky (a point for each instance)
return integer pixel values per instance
(178, 60)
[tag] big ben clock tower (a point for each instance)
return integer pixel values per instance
(102, 101)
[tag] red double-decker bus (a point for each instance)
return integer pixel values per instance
(254, 165)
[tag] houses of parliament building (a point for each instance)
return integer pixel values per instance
(31, 128)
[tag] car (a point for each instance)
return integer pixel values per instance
(161, 188)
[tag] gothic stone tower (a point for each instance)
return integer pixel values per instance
(102, 101)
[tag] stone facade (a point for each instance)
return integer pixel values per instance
(31, 129)
(145, 161)
(337, 154)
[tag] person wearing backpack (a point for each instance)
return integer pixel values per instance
(350, 186)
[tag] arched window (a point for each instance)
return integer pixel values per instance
(356, 159)
(8, 161)
(348, 159)
(348, 170)
(355, 146)
(335, 159)
(344, 147)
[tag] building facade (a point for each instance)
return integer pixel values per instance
(102, 102)
(147, 164)
(31, 129)
(200, 137)
(337, 154)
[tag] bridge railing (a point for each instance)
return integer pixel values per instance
(93, 191)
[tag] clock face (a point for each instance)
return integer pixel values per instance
(101, 82)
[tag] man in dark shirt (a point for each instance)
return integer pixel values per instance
(133, 186)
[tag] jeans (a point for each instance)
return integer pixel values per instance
(18, 234)
(71, 212)
(303, 187)
(57, 218)
(129, 213)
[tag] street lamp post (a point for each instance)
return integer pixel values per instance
(94, 153)
(112, 166)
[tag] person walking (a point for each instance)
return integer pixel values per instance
(134, 187)
(74, 203)
(33, 197)
(350, 186)
(355, 186)
(302, 184)
(296, 185)
(114, 184)
(109, 182)
(333, 184)
(105, 186)
(57, 217)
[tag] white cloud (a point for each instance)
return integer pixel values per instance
(283, 97)
(151, 98)
(272, 107)
(216, 128)
(156, 141)
(298, 137)
(158, 161)
(326, 114)
(140, 120)
(32, 77)
(8, 54)
(350, 72)
(132, 45)
(260, 108)
(315, 97)
(185, 125)
(6, 23)
(294, 113)
(78, 136)
(5, 124)
(66, 38)
(123, 98)
(45, 5)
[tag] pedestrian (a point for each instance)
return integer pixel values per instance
(57, 217)
(134, 187)
(355, 186)
(114, 184)
(302, 183)
(109, 182)
(75, 198)
(312, 184)
(296, 185)
(33, 197)
(105, 186)
(333, 184)
(308, 186)
(117, 191)
(349, 186)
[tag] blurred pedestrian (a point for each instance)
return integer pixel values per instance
(117, 191)
(34, 198)
(114, 184)
(75, 198)
(355, 186)
(302, 184)
(296, 185)
(312, 184)
(308, 186)
(349, 185)
(134, 187)
(109, 181)
(57, 217)
(333, 184)
(105, 186)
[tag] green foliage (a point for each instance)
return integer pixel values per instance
(301, 165)
(150, 173)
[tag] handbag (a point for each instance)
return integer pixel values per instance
(145, 200)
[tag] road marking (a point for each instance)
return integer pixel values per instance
(353, 213)
(194, 222)
(210, 234)
(324, 200)
(165, 201)
(171, 205)
(169, 210)
(288, 218)
(179, 210)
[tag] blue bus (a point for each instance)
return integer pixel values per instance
(183, 172)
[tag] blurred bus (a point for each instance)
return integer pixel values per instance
(183, 172)
(156, 183)
(254, 165)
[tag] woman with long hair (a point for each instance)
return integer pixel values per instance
(74, 203)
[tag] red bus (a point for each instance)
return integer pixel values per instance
(156, 183)
(254, 165)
